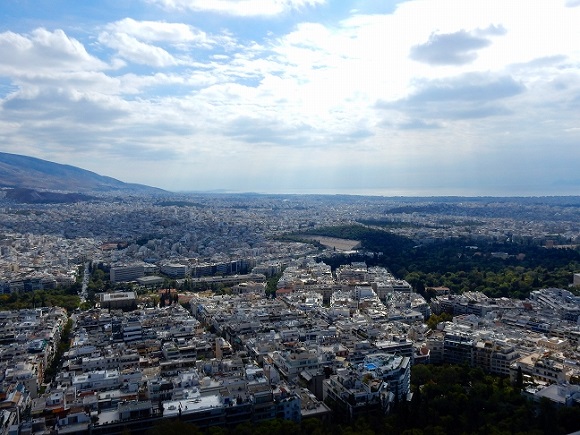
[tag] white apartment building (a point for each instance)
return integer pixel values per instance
(97, 380)
(393, 369)
(174, 270)
(126, 273)
(291, 363)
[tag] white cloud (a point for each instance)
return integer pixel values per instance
(135, 51)
(159, 31)
(449, 49)
(42, 50)
(305, 98)
(159, 43)
(243, 8)
(65, 105)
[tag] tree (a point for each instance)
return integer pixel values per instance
(519, 379)
(173, 427)
(435, 319)
(272, 284)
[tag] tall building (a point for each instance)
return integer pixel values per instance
(174, 270)
(127, 273)
(393, 369)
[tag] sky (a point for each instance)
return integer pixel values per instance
(383, 97)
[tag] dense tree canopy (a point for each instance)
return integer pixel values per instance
(60, 297)
(461, 264)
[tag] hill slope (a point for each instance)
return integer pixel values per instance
(17, 171)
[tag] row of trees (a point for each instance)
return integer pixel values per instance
(272, 284)
(62, 347)
(168, 297)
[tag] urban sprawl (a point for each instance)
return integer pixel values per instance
(225, 351)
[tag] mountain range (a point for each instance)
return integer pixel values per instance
(25, 174)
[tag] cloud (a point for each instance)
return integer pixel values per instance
(470, 87)
(457, 48)
(541, 62)
(468, 96)
(135, 51)
(129, 148)
(242, 8)
(42, 50)
(158, 31)
(80, 82)
(354, 136)
(268, 131)
(299, 85)
(159, 43)
(491, 30)
(572, 3)
(61, 106)
(418, 124)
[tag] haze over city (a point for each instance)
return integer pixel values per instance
(454, 97)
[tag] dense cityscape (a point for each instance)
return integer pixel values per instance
(281, 217)
(217, 310)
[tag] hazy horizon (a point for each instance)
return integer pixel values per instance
(393, 193)
(393, 98)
